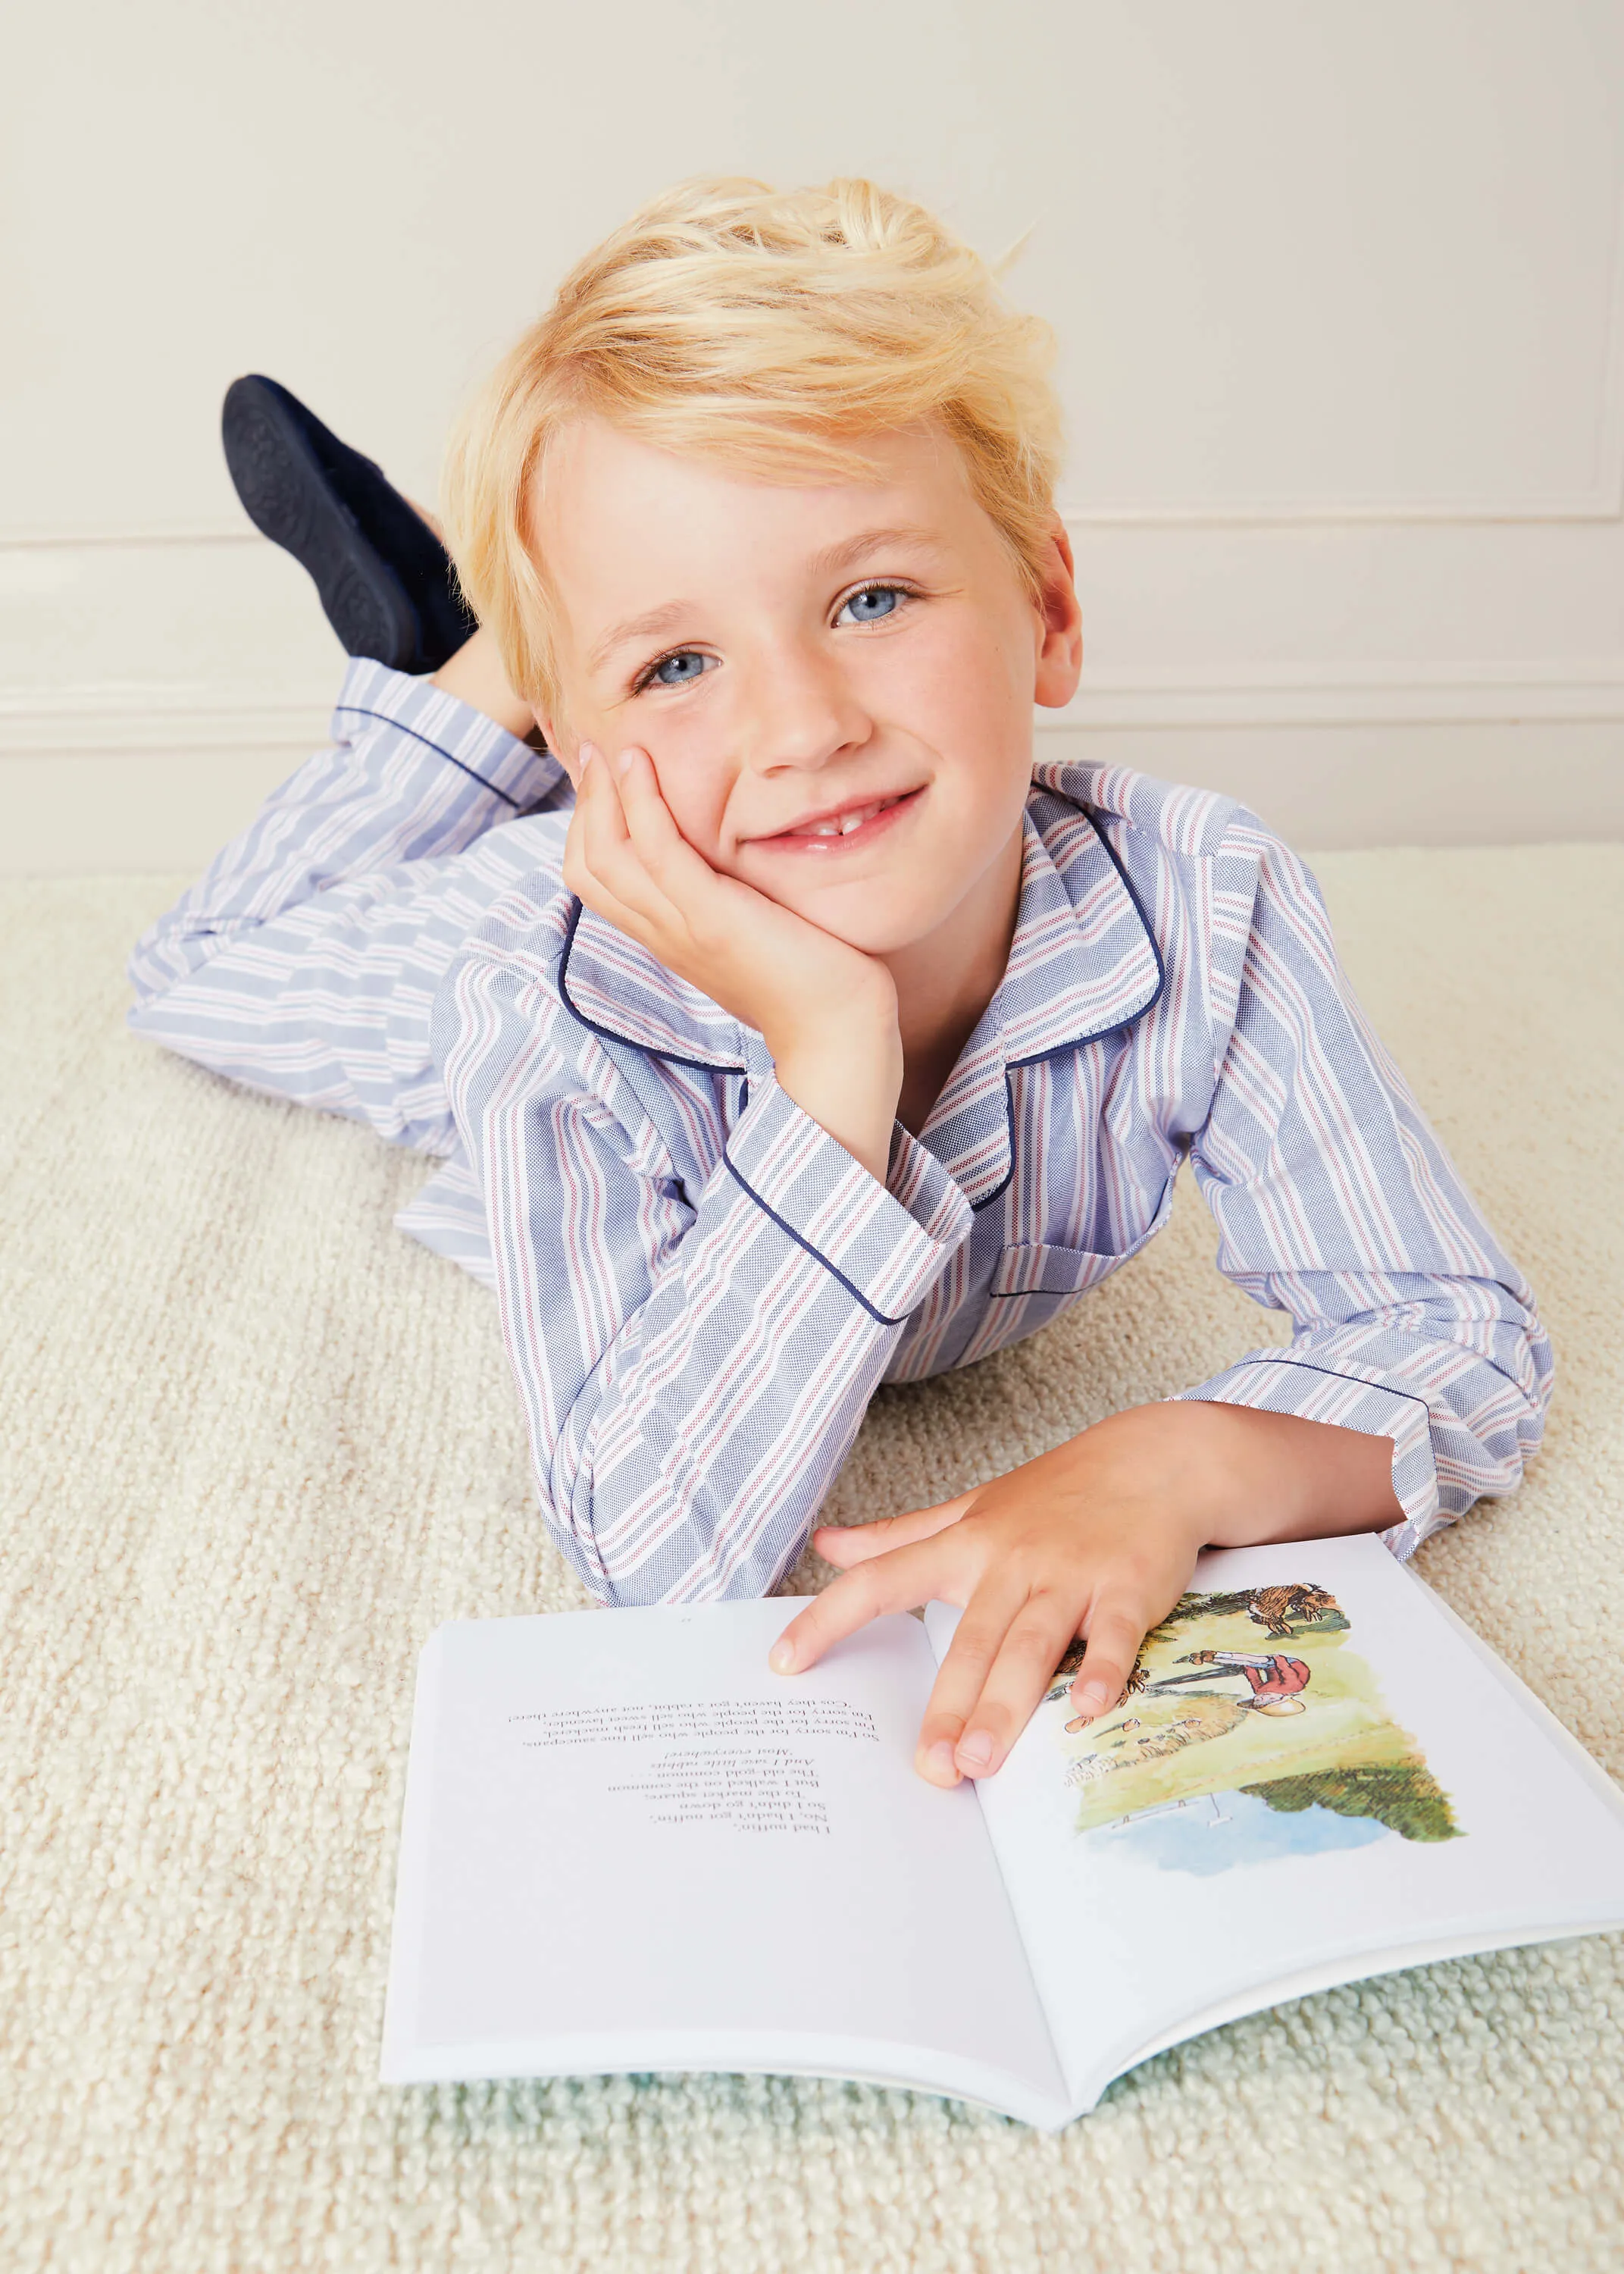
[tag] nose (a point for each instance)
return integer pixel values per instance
(795, 710)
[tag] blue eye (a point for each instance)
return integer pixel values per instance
(678, 670)
(873, 602)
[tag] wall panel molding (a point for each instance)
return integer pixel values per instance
(1604, 503)
(68, 540)
(168, 809)
(1333, 694)
(134, 719)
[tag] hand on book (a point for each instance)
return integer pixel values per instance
(1097, 1538)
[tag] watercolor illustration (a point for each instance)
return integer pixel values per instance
(1249, 1729)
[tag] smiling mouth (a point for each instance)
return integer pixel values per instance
(834, 832)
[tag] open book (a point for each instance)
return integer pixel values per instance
(629, 1845)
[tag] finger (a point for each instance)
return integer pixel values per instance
(1032, 1648)
(589, 889)
(596, 896)
(597, 822)
(847, 1544)
(971, 1655)
(702, 896)
(611, 862)
(1114, 1635)
(646, 815)
(922, 1573)
(600, 817)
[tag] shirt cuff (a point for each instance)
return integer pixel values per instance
(884, 1243)
(516, 776)
(1275, 1382)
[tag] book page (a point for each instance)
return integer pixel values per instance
(629, 1843)
(1313, 1777)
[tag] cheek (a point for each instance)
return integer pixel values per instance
(695, 789)
(956, 678)
(974, 700)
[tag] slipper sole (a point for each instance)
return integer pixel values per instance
(288, 495)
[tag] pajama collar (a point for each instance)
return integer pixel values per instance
(1083, 964)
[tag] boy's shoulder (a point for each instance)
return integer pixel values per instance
(579, 978)
(1198, 824)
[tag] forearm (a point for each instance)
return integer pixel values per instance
(1336, 1204)
(695, 1333)
(303, 961)
(1098, 1537)
(477, 675)
(1455, 1378)
(685, 1470)
(849, 1081)
(1235, 1477)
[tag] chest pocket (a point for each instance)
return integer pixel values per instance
(1052, 1271)
(1031, 1285)
(1064, 1271)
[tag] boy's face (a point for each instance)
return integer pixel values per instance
(859, 654)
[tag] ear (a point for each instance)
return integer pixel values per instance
(1060, 644)
(562, 745)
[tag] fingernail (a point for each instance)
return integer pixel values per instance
(1092, 1700)
(975, 1750)
(781, 1657)
(622, 762)
(586, 753)
(940, 1765)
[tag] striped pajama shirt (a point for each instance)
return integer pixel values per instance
(699, 1288)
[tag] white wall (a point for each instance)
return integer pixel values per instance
(1340, 291)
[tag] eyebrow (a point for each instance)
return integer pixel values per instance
(665, 619)
(831, 561)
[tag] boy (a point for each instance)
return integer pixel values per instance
(785, 1028)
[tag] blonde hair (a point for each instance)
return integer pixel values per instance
(770, 331)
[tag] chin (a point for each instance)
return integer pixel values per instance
(873, 931)
(878, 915)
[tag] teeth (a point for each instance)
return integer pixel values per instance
(846, 822)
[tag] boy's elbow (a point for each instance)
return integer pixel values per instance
(683, 1562)
(146, 975)
(1482, 1453)
(615, 1581)
(627, 1594)
(157, 962)
(1495, 1374)
(679, 1576)
(1529, 1381)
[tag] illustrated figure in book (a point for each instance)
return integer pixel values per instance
(1275, 1608)
(1277, 1682)
(1191, 1734)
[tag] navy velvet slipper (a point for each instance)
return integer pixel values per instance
(385, 580)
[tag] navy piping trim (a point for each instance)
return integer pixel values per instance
(1082, 1041)
(1060, 1049)
(1128, 1255)
(360, 711)
(705, 1065)
(1330, 1373)
(855, 1292)
(1021, 1294)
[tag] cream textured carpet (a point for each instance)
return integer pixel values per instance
(255, 1445)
